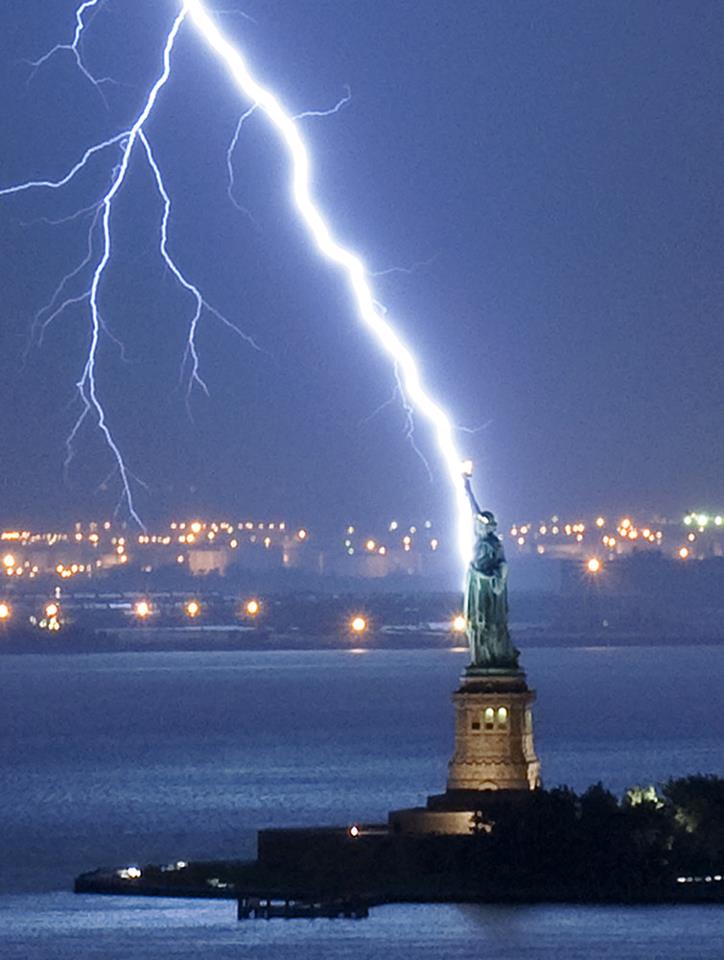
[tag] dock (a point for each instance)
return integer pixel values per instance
(269, 908)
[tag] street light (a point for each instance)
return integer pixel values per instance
(193, 609)
(358, 624)
(458, 624)
(142, 609)
(594, 565)
(5, 611)
(252, 607)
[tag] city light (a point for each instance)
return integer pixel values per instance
(142, 609)
(101, 551)
(5, 611)
(593, 565)
(358, 624)
(684, 553)
(192, 608)
(354, 831)
(252, 607)
(458, 624)
(52, 610)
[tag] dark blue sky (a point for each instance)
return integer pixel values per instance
(563, 165)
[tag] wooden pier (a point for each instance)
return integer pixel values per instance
(269, 908)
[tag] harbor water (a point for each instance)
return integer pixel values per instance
(129, 758)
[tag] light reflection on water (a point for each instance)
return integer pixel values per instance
(123, 758)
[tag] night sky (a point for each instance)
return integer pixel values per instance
(558, 170)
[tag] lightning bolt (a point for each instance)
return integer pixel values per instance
(100, 230)
(263, 101)
(74, 48)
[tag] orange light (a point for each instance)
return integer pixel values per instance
(684, 553)
(459, 624)
(52, 610)
(252, 607)
(196, 527)
(8, 560)
(358, 624)
(5, 611)
(142, 609)
(593, 565)
(301, 534)
(193, 608)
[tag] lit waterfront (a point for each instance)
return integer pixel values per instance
(200, 547)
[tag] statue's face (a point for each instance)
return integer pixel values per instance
(484, 525)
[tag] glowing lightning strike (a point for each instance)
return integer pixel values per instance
(86, 386)
(100, 223)
(352, 265)
(87, 383)
(373, 315)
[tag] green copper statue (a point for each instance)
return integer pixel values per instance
(486, 596)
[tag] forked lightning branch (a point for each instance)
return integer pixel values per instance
(136, 140)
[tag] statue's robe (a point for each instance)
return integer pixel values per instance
(486, 606)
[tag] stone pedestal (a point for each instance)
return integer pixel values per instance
(493, 734)
(494, 763)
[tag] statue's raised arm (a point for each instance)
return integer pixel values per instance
(475, 506)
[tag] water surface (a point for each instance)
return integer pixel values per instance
(123, 758)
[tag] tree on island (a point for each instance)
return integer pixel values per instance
(596, 845)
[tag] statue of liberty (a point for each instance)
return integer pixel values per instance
(486, 596)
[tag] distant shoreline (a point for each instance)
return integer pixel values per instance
(205, 639)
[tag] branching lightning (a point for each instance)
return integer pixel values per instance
(262, 101)
(191, 354)
(351, 264)
(342, 102)
(74, 47)
(99, 234)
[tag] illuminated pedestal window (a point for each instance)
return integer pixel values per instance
(494, 735)
(494, 766)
